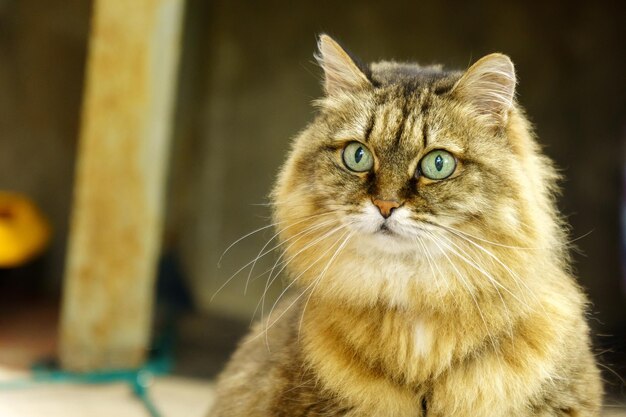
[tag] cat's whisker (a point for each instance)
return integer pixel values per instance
(492, 280)
(470, 239)
(515, 277)
(321, 276)
(469, 290)
(612, 371)
(481, 239)
(308, 246)
(270, 323)
(254, 260)
(301, 235)
(271, 280)
(294, 280)
(430, 264)
(285, 263)
(472, 262)
(436, 264)
(469, 235)
(261, 254)
(301, 384)
(219, 262)
(286, 250)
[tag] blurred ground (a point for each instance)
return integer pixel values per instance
(27, 335)
(204, 343)
(173, 397)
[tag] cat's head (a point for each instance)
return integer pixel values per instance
(410, 164)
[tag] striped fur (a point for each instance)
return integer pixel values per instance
(464, 306)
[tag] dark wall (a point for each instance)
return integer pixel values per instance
(43, 47)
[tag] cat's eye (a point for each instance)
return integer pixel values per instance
(357, 157)
(437, 165)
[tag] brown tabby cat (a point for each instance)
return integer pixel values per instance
(417, 217)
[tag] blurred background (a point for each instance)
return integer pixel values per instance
(245, 82)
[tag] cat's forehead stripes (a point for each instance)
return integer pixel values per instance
(388, 119)
(400, 121)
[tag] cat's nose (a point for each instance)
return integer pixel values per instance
(386, 207)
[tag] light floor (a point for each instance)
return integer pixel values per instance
(173, 397)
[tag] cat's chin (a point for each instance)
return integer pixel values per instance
(389, 242)
(399, 234)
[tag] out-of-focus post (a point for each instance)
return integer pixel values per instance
(120, 183)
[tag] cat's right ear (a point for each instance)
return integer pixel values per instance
(489, 85)
(341, 73)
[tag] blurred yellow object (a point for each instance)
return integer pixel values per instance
(24, 232)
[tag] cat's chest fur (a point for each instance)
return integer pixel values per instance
(423, 338)
(380, 367)
(392, 357)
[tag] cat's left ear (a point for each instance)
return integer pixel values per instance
(341, 72)
(489, 86)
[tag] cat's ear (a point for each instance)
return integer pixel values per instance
(489, 85)
(341, 72)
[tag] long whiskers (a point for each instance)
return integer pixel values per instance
(499, 244)
(474, 264)
(253, 262)
(271, 323)
(439, 278)
(285, 263)
(518, 281)
(452, 229)
(466, 257)
(319, 258)
(219, 262)
(469, 290)
(321, 276)
(261, 254)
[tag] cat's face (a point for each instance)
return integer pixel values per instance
(391, 161)
(404, 163)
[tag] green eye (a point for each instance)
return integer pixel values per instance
(357, 157)
(438, 165)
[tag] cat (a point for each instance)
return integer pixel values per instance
(418, 222)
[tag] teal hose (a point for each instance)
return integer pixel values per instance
(139, 380)
(140, 386)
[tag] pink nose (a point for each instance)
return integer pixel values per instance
(386, 207)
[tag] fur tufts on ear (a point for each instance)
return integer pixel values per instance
(489, 85)
(341, 73)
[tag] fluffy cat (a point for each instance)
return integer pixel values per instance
(431, 268)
